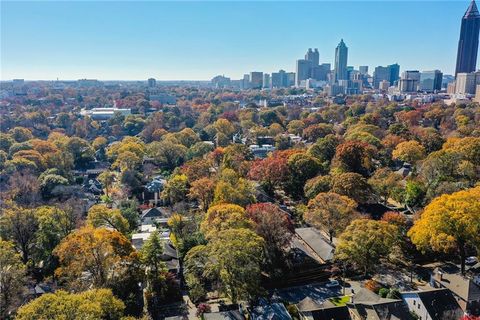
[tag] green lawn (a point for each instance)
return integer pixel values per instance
(340, 301)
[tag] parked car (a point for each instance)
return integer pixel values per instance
(332, 284)
(471, 260)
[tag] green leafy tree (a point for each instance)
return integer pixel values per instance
(167, 154)
(129, 210)
(386, 184)
(365, 242)
(12, 278)
(20, 226)
(50, 184)
(317, 185)
(195, 272)
(101, 216)
(302, 167)
(176, 189)
(54, 224)
(107, 178)
(236, 256)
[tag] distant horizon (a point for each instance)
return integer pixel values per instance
(196, 41)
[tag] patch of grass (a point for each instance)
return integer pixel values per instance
(340, 301)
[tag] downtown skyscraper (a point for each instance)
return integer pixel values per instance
(341, 57)
(468, 43)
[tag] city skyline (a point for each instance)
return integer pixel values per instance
(109, 51)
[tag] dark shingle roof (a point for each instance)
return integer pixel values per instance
(332, 313)
(151, 213)
(440, 303)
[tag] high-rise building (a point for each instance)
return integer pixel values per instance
(246, 81)
(466, 82)
(279, 79)
(221, 82)
(477, 94)
(389, 73)
(290, 79)
(341, 57)
(313, 56)
(383, 85)
(152, 83)
(363, 69)
(333, 89)
(431, 81)
(302, 70)
(380, 74)
(468, 42)
(321, 72)
(266, 80)
(256, 80)
(409, 81)
(394, 73)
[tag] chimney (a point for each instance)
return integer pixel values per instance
(440, 275)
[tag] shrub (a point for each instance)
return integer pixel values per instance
(394, 294)
(373, 285)
(203, 308)
(383, 292)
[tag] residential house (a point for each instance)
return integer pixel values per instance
(154, 215)
(224, 315)
(310, 309)
(315, 241)
(434, 304)
(169, 256)
(269, 311)
(366, 305)
(465, 290)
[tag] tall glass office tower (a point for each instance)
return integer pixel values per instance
(468, 43)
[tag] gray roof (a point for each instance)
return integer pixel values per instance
(384, 309)
(459, 285)
(224, 315)
(313, 238)
(308, 304)
(273, 311)
(365, 295)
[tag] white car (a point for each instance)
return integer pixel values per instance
(332, 284)
(471, 260)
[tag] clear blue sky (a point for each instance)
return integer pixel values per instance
(112, 40)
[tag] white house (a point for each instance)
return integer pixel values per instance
(434, 304)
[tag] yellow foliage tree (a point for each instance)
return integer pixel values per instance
(409, 151)
(101, 216)
(88, 305)
(331, 212)
(103, 255)
(223, 217)
(365, 241)
(449, 223)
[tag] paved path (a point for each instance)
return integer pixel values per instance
(191, 309)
